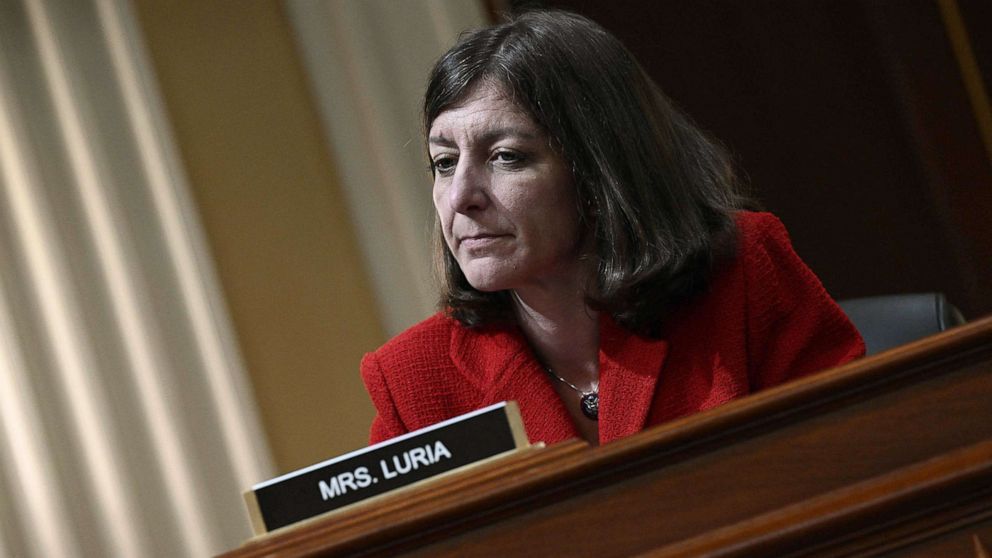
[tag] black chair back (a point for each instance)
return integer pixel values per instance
(893, 320)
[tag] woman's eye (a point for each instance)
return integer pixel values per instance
(508, 157)
(444, 165)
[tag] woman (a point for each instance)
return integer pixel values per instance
(595, 261)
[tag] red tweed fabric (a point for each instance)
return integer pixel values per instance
(764, 319)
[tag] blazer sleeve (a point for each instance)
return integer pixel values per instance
(794, 327)
(387, 423)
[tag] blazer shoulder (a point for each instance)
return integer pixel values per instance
(794, 327)
(413, 380)
(765, 251)
(773, 272)
(761, 228)
(430, 339)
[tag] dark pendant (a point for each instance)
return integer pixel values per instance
(590, 405)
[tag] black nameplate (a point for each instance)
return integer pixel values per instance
(386, 466)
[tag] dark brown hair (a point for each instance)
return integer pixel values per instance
(657, 195)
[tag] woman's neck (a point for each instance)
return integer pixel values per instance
(564, 333)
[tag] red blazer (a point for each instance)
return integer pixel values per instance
(764, 319)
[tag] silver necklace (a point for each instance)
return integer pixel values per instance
(588, 403)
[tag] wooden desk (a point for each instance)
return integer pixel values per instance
(890, 455)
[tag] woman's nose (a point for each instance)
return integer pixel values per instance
(467, 191)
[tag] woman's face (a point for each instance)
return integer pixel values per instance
(504, 198)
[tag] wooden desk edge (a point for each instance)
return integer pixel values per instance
(556, 469)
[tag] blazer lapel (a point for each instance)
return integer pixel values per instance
(629, 366)
(501, 367)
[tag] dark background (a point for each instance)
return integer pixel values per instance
(850, 119)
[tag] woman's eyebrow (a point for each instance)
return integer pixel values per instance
(488, 136)
(441, 140)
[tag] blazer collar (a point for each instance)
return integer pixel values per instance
(501, 366)
(629, 366)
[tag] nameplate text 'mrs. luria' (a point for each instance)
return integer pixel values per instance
(386, 466)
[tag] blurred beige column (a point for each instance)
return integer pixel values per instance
(269, 192)
(368, 63)
(127, 427)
